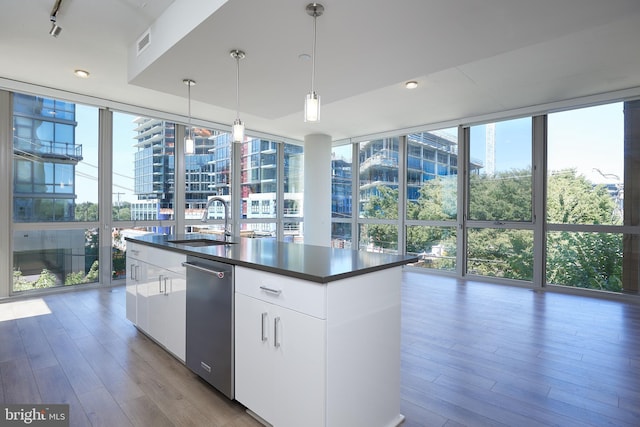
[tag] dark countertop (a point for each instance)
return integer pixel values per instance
(315, 263)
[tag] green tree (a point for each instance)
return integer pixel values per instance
(587, 260)
(504, 196)
(86, 211)
(91, 247)
(437, 200)
(571, 199)
(591, 260)
(122, 212)
(384, 205)
(92, 275)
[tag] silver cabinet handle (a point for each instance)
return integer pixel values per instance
(160, 283)
(218, 274)
(276, 338)
(263, 330)
(137, 272)
(271, 290)
(132, 274)
(165, 286)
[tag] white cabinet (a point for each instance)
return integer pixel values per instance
(280, 361)
(135, 274)
(281, 348)
(310, 354)
(160, 295)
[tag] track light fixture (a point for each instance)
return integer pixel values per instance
(189, 145)
(312, 101)
(238, 127)
(53, 16)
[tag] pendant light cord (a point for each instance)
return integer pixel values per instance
(313, 53)
(189, 89)
(238, 87)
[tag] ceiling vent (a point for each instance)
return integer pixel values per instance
(144, 41)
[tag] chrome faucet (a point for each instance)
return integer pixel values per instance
(205, 214)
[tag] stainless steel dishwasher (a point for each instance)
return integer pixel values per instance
(210, 341)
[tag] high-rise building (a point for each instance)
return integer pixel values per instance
(208, 173)
(341, 198)
(154, 169)
(429, 155)
(45, 156)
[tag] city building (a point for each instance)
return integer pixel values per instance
(208, 173)
(45, 156)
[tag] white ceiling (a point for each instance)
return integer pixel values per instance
(470, 57)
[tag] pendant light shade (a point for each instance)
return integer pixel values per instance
(238, 131)
(238, 127)
(189, 145)
(312, 107)
(312, 100)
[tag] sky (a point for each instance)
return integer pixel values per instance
(585, 139)
(123, 155)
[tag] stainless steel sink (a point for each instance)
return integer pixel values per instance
(200, 242)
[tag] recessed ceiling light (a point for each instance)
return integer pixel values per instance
(81, 73)
(411, 84)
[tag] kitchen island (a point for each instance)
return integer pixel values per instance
(316, 329)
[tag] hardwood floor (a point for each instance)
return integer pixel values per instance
(479, 354)
(473, 354)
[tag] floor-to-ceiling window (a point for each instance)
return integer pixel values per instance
(585, 194)
(499, 205)
(207, 175)
(432, 198)
(379, 172)
(341, 196)
(293, 191)
(143, 181)
(543, 197)
(407, 193)
(55, 193)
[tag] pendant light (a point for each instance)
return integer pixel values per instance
(189, 146)
(238, 127)
(312, 101)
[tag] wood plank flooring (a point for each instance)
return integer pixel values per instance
(473, 354)
(479, 354)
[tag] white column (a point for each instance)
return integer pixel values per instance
(317, 190)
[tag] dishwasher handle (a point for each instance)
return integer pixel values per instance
(219, 274)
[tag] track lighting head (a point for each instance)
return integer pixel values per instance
(53, 16)
(55, 29)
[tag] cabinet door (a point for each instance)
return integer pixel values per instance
(175, 311)
(254, 356)
(280, 363)
(133, 271)
(299, 346)
(134, 275)
(147, 288)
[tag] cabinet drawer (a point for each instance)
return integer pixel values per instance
(159, 257)
(296, 294)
